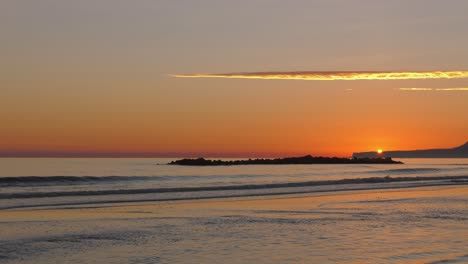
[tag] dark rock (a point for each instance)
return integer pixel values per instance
(284, 161)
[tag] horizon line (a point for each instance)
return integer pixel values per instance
(76, 154)
(162, 155)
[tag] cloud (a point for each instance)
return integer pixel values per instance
(433, 89)
(334, 75)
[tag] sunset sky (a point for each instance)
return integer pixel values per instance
(104, 78)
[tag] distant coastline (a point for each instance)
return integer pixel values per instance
(284, 161)
(457, 152)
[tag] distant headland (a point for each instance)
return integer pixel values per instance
(457, 152)
(284, 161)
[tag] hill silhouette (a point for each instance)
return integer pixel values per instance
(457, 152)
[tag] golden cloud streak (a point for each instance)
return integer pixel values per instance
(433, 89)
(334, 76)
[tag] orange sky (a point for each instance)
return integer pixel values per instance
(89, 78)
(245, 118)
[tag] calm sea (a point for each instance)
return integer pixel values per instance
(74, 181)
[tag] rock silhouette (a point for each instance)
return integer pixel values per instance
(284, 161)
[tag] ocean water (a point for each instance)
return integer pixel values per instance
(155, 214)
(76, 181)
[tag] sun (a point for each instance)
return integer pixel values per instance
(379, 151)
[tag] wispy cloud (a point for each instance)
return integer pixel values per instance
(334, 75)
(433, 89)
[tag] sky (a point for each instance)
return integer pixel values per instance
(103, 78)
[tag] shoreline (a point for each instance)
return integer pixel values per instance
(288, 191)
(126, 209)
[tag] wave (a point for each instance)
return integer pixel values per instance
(32, 181)
(411, 170)
(37, 180)
(454, 179)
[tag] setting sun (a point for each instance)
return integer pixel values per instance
(379, 151)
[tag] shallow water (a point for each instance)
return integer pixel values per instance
(359, 228)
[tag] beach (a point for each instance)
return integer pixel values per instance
(410, 225)
(264, 132)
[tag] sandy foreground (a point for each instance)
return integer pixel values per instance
(410, 225)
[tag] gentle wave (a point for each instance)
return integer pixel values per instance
(228, 187)
(30, 181)
(37, 180)
(412, 170)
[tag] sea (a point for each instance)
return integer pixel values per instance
(406, 230)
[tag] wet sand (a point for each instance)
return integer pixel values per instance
(391, 226)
